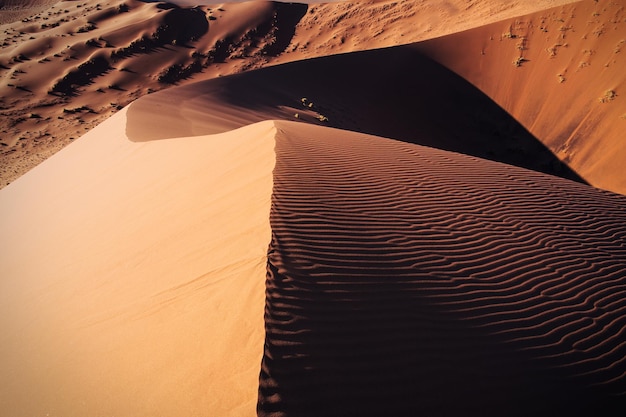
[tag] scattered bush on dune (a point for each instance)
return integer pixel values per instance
(609, 95)
(177, 72)
(519, 61)
(81, 76)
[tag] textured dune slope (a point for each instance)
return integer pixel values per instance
(406, 280)
(399, 279)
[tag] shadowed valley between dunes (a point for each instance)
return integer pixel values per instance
(393, 92)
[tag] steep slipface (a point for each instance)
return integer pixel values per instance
(560, 72)
(393, 92)
(404, 280)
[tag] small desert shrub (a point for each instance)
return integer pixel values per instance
(609, 95)
(519, 61)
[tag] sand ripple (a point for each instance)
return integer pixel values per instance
(406, 280)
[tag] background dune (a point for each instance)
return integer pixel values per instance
(96, 57)
(560, 72)
(392, 92)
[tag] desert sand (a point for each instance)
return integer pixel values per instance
(405, 280)
(560, 72)
(320, 209)
(136, 285)
(71, 65)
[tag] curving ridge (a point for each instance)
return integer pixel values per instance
(392, 92)
(405, 280)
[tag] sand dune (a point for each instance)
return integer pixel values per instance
(404, 280)
(397, 279)
(133, 276)
(95, 57)
(560, 72)
(393, 92)
(401, 279)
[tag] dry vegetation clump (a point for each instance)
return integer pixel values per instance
(609, 95)
(519, 61)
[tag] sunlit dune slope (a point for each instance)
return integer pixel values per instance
(560, 72)
(405, 280)
(133, 276)
(392, 92)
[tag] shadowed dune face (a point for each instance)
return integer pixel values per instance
(394, 92)
(405, 280)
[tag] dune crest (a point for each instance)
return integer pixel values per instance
(405, 280)
(133, 276)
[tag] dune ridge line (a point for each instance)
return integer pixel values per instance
(404, 280)
(133, 276)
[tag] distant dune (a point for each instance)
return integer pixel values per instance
(407, 96)
(560, 72)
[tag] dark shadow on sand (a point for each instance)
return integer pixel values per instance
(393, 290)
(394, 92)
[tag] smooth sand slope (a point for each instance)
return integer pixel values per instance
(133, 276)
(404, 281)
(560, 72)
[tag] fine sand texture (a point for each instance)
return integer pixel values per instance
(133, 276)
(404, 280)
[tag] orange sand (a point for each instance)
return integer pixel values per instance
(118, 50)
(400, 279)
(134, 284)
